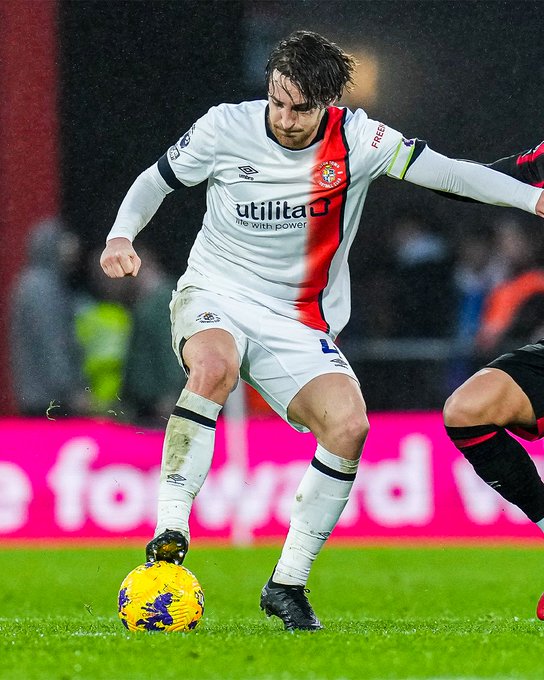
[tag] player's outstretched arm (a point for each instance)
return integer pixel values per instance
(525, 166)
(466, 179)
(120, 259)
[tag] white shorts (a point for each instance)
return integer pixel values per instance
(277, 355)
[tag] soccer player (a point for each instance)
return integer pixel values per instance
(266, 290)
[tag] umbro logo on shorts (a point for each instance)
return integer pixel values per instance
(208, 317)
(339, 362)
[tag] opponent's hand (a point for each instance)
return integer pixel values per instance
(540, 205)
(120, 259)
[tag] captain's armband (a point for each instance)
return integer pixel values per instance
(407, 151)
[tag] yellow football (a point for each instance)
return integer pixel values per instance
(160, 596)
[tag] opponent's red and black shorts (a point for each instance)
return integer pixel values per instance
(526, 367)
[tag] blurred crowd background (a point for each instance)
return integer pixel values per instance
(439, 286)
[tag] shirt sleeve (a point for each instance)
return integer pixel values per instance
(377, 143)
(140, 204)
(462, 178)
(191, 160)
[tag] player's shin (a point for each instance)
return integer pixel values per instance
(186, 459)
(319, 501)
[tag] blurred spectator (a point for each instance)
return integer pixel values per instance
(474, 276)
(153, 379)
(423, 293)
(475, 273)
(45, 358)
(103, 326)
(513, 308)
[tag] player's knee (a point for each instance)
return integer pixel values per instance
(464, 410)
(214, 376)
(349, 431)
(357, 428)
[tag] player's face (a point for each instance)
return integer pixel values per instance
(294, 124)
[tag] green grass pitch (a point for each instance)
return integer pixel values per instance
(390, 612)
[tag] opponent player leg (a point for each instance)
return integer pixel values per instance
(475, 417)
(332, 407)
(212, 360)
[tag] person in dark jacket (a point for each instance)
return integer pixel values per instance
(45, 359)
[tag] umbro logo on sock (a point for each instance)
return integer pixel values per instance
(175, 479)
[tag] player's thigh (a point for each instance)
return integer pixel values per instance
(207, 341)
(331, 406)
(285, 356)
(490, 396)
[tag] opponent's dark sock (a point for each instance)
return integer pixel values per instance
(503, 463)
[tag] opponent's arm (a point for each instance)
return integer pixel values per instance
(138, 207)
(425, 167)
(527, 166)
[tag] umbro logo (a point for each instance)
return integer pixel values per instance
(339, 362)
(175, 479)
(208, 317)
(246, 171)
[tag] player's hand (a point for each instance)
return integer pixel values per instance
(120, 259)
(540, 205)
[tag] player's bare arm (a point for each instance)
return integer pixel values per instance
(120, 259)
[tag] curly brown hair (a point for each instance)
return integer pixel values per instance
(318, 67)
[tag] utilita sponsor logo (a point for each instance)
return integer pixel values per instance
(281, 210)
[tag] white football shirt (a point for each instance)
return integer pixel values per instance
(279, 222)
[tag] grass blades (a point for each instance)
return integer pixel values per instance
(399, 613)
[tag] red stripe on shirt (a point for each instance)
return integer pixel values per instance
(531, 156)
(325, 222)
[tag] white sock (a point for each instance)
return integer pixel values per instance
(186, 459)
(320, 498)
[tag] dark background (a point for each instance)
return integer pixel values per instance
(465, 76)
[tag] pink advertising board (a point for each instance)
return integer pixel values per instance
(85, 479)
